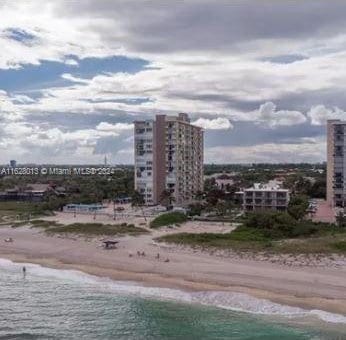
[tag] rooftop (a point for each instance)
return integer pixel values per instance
(270, 186)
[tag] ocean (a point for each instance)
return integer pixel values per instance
(64, 304)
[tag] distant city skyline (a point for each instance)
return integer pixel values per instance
(261, 77)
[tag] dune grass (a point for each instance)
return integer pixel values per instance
(10, 210)
(242, 240)
(249, 239)
(96, 229)
(44, 224)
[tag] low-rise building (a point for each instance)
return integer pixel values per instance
(35, 192)
(269, 196)
(83, 208)
(224, 183)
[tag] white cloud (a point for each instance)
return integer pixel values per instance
(268, 115)
(70, 77)
(71, 62)
(319, 114)
(8, 110)
(201, 74)
(213, 124)
(118, 127)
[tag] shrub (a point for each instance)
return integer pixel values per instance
(168, 218)
(278, 225)
(298, 206)
(341, 245)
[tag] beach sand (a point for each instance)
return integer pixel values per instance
(296, 281)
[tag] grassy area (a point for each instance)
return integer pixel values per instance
(340, 245)
(168, 219)
(10, 210)
(96, 229)
(250, 239)
(243, 240)
(44, 224)
(88, 229)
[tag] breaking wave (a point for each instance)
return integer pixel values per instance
(227, 300)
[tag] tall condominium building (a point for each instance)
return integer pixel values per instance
(336, 163)
(168, 156)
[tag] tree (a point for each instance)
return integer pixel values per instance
(298, 206)
(213, 196)
(195, 209)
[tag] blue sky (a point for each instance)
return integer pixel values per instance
(47, 74)
(74, 76)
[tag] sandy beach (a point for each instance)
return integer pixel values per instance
(307, 282)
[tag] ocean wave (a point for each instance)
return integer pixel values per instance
(227, 300)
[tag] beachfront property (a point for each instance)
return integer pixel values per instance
(336, 167)
(268, 196)
(168, 156)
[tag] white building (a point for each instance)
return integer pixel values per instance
(269, 196)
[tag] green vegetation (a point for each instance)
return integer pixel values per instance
(168, 219)
(297, 206)
(43, 224)
(273, 232)
(87, 229)
(9, 211)
(341, 245)
(79, 189)
(97, 229)
(250, 240)
(245, 240)
(282, 225)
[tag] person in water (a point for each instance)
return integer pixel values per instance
(24, 271)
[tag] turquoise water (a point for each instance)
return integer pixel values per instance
(60, 304)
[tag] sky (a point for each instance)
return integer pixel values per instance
(260, 76)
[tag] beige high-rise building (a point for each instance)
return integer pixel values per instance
(168, 156)
(336, 163)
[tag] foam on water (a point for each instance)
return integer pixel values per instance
(227, 300)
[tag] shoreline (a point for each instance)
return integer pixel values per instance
(159, 281)
(307, 288)
(267, 310)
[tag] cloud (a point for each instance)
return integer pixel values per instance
(267, 114)
(71, 62)
(319, 114)
(70, 77)
(218, 62)
(117, 128)
(213, 124)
